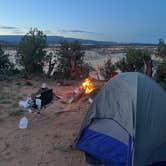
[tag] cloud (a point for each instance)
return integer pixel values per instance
(12, 30)
(76, 31)
(8, 27)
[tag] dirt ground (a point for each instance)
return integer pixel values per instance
(49, 138)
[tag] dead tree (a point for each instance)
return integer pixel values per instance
(51, 60)
(148, 67)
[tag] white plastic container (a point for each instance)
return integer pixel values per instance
(23, 123)
(24, 104)
(38, 103)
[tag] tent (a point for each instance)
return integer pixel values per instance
(126, 123)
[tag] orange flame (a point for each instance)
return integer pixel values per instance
(87, 85)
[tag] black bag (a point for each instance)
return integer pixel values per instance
(46, 96)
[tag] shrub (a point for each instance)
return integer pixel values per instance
(161, 74)
(136, 61)
(70, 60)
(107, 69)
(162, 49)
(31, 51)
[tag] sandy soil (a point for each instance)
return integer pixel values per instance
(49, 138)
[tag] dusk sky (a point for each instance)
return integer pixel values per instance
(110, 20)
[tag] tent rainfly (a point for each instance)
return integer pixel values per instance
(126, 123)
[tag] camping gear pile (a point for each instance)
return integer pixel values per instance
(126, 123)
(36, 101)
(39, 99)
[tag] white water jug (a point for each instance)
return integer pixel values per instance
(23, 123)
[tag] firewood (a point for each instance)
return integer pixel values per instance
(78, 95)
(59, 97)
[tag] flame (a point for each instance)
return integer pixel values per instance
(87, 85)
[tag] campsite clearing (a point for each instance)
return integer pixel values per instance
(50, 135)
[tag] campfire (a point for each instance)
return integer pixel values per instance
(84, 89)
(87, 86)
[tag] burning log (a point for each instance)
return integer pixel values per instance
(91, 96)
(76, 96)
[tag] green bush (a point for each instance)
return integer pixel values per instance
(107, 69)
(86, 68)
(70, 59)
(161, 49)
(161, 67)
(134, 61)
(31, 51)
(161, 74)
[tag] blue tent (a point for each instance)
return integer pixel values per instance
(126, 124)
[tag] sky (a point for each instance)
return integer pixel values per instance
(110, 20)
